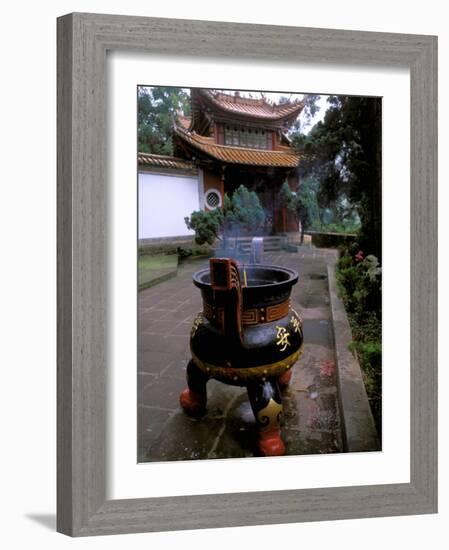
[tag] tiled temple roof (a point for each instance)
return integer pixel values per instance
(164, 161)
(284, 158)
(258, 108)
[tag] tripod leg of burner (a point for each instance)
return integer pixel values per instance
(265, 399)
(284, 380)
(194, 398)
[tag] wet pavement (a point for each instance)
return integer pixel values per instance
(311, 419)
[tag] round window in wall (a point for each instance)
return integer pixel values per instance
(213, 198)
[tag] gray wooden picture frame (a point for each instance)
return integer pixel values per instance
(83, 40)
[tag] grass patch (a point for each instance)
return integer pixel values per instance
(182, 250)
(153, 269)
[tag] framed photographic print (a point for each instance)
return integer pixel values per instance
(236, 174)
(240, 339)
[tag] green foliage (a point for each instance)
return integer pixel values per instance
(292, 202)
(156, 249)
(367, 327)
(307, 198)
(308, 112)
(344, 153)
(229, 219)
(369, 354)
(172, 249)
(359, 282)
(185, 252)
(157, 108)
(247, 214)
(287, 198)
(241, 215)
(206, 224)
(335, 227)
(304, 204)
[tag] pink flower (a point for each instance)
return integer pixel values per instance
(359, 256)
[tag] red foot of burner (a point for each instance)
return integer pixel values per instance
(271, 444)
(284, 380)
(192, 403)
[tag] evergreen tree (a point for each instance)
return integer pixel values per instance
(249, 216)
(157, 108)
(207, 225)
(241, 215)
(344, 152)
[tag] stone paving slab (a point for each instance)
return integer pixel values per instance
(311, 420)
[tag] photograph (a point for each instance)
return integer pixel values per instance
(259, 261)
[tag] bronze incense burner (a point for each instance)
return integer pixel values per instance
(247, 335)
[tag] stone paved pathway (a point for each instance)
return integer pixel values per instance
(311, 420)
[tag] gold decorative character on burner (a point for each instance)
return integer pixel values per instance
(282, 338)
(296, 324)
(297, 315)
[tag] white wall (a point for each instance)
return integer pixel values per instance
(164, 201)
(27, 279)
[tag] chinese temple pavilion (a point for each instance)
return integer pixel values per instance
(231, 140)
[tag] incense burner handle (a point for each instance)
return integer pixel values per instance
(225, 278)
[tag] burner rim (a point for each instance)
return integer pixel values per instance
(199, 276)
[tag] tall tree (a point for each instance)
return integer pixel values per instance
(157, 107)
(307, 114)
(344, 152)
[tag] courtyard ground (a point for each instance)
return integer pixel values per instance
(311, 420)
